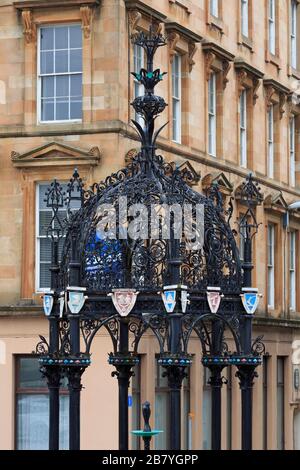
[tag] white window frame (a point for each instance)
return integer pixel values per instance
(271, 265)
(176, 99)
(270, 124)
(245, 18)
(243, 129)
(214, 8)
(272, 26)
(138, 58)
(292, 268)
(293, 33)
(293, 151)
(39, 77)
(212, 114)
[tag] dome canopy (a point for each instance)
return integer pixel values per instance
(144, 227)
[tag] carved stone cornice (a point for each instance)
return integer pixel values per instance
(218, 50)
(56, 154)
(86, 14)
(256, 85)
(226, 66)
(217, 59)
(248, 77)
(189, 174)
(276, 202)
(275, 92)
(192, 51)
(183, 32)
(210, 57)
(27, 9)
(173, 39)
(181, 5)
(29, 27)
(137, 10)
(220, 179)
(270, 91)
(241, 77)
(282, 102)
(292, 104)
(38, 4)
(175, 32)
(134, 17)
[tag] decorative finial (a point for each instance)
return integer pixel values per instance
(148, 106)
(75, 192)
(55, 200)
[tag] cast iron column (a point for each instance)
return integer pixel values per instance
(246, 373)
(216, 382)
(74, 372)
(53, 373)
(175, 373)
(74, 385)
(123, 374)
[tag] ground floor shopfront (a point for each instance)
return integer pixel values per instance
(24, 403)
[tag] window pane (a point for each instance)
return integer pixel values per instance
(292, 250)
(45, 250)
(206, 411)
(62, 86)
(76, 110)
(62, 110)
(64, 422)
(212, 93)
(176, 76)
(76, 85)
(45, 276)
(47, 38)
(138, 58)
(45, 219)
(43, 188)
(244, 19)
(136, 406)
(61, 38)
(270, 124)
(61, 61)
(271, 8)
(33, 422)
(161, 420)
(271, 244)
(76, 60)
(280, 403)
(47, 87)
(47, 112)
(214, 7)
(29, 375)
(75, 36)
(66, 57)
(47, 65)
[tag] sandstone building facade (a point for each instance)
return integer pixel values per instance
(234, 107)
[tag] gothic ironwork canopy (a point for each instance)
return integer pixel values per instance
(199, 268)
